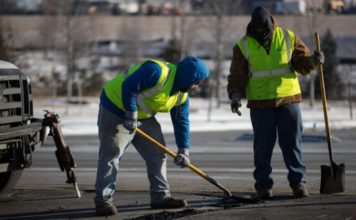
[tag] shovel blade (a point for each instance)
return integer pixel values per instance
(332, 179)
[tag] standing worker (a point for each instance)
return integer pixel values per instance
(137, 95)
(264, 65)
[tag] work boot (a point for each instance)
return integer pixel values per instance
(169, 203)
(105, 209)
(300, 192)
(264, 194)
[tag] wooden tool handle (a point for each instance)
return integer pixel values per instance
(323, 96)
(190, 166)
(170, 152)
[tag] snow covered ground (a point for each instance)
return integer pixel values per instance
(81, 119)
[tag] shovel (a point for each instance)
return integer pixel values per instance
(190, 166)
(229, 198)
(333, 176)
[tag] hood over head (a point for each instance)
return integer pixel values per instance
(190, 70)
(261, 26)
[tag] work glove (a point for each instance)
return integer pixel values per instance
(316, 59)
(236, 103)
(182, 158)
(130, 122)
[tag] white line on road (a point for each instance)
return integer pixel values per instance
(204, 149)
(219, 170)
(54, 215)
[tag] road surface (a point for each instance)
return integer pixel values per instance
(225, 156)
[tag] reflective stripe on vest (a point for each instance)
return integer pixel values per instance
(270, 75)
(149, 92)
(158, 98)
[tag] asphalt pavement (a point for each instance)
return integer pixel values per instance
(42, 194)
(61, 203)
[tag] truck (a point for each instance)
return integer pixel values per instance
(21, 133)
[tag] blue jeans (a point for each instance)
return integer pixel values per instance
(110, 153)
(286, 121)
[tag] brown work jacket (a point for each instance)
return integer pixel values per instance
(238, 77)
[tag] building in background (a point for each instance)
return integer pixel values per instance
(176, 7)
(112, 43)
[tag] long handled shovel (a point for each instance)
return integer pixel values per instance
(333, 176)
(190, 166)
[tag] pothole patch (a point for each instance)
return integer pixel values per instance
(165, 215)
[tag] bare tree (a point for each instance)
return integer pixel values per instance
(132, 36)
(200, 31)
(183, 51)
(219, 10)
(6, 38)
(347, 69)
(48, 33)
(314, 22)
(75, 30)
(6, 41)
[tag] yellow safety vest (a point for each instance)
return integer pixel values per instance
(271, 75)
(152, 100)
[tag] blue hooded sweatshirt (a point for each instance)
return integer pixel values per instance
(190, 70)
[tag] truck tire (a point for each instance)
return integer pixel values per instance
(8, 181)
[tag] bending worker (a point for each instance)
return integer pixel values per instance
(137, 95)
(264, 65)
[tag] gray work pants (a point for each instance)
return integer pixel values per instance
(110, 153)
